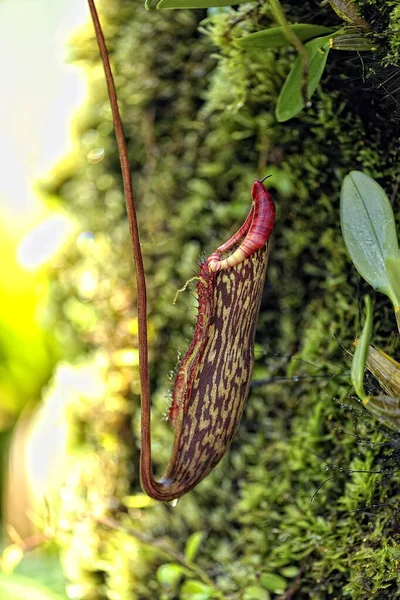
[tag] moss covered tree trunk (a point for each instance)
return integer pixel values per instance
(199, 118)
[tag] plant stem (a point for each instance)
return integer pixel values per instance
(293, 39)
(145, 456)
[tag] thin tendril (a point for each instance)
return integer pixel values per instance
(135, 241)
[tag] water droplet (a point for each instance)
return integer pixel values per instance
(327, 468)
(95, 156)
(174, 503)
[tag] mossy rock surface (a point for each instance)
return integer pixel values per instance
(199, 120)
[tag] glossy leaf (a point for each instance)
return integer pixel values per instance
(274, 37)
(369, 231)
(290, 101)
(361, 352)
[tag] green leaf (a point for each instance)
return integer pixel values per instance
(354, 41)
(195, 590)
(275, 36)
(290, 571)
(369, 231)
(255, 592)
(360, 355)
(193, 545)
(273, 583)
(290, 101)
(196, 3)
(17, 587)
(170, 574)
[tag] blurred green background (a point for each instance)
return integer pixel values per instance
(40, 92)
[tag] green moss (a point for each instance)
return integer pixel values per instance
(201, 127)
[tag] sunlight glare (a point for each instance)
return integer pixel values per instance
(43, 242)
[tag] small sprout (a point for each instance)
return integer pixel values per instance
(170, 574)
(385, 407)
(192, 546)
(360, 355)
(195, 590)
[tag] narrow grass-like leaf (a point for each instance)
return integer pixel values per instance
(369, 231)
(360, 355)
(290, 101)
(274, 37)
(196, 3)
